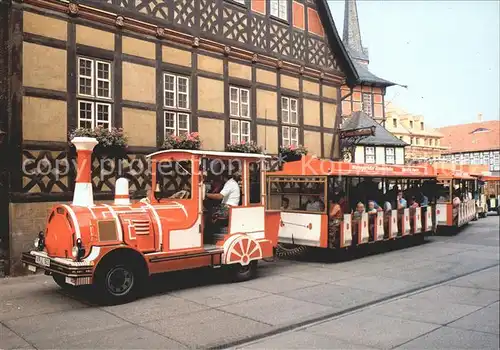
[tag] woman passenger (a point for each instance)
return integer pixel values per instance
(335, 214)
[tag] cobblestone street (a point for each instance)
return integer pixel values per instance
(440, 294)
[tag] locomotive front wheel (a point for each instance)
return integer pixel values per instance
(118, 283)
(240, 273)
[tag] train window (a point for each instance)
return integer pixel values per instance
(297, 193)
(255, 182)
(173, 180)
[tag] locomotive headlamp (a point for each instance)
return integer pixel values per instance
(78, 251)
(40, 241)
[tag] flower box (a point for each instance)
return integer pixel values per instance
(190, 141)
(292, 153)
(244, 147)
(111, 142)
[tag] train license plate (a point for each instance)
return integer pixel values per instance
(42, 261)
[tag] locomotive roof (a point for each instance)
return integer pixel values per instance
(211, 154)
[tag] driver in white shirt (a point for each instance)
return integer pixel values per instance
(229, 196)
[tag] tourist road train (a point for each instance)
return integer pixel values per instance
(116, 247)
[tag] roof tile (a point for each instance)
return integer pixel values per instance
(463, 138)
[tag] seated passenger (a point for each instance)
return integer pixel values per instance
(315, 204)
(360, 210)
(229, 196)
(285, 203)
(401, 202)
(413, 203)
(371, 207)
(335, 214)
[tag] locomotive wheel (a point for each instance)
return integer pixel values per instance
(61, 281)
(118, 283)
(240, 273)
(284, 250)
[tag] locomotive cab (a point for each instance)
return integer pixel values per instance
(116, 247)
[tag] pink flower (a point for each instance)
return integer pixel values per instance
(292, 147)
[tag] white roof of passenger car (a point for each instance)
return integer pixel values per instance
(211, 153)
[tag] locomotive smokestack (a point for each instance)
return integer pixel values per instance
(83, 195)
(121, 192)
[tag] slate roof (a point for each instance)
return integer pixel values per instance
(471, 137)
(382, 137)
(367, 77)
(336, 43)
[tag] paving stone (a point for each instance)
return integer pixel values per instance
(277, 284)
(459, 295)
(44, 330)
(378, 284)
(484, 320)
(487, 279)
(45, 301)
(154, 308)
(125, 337)
(339, 297)
(207, 328)
(304, 340)
(10, 340)
(218, 295)
(422, 310)
(278, 310)
(322, 274)
(373, 330)
(451, 338)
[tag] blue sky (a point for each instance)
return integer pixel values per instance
(446, 52)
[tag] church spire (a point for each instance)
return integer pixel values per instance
(352, 33)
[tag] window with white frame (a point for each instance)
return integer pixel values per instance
(279, 8)
(370, 155)
(289, 121)
(176, 104)
(240, 131)
(239, 102)
(94, 93)
(367, 104)
(390, 155)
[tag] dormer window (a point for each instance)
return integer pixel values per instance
(395, 122)
(421, 125)
(478, 130)
(411, 124)
(279, 9)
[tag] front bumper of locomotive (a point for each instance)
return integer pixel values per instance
(75, 273)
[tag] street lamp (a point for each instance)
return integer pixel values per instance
(2, 136)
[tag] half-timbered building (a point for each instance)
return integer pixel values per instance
(232, 70)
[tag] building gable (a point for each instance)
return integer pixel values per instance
(305, 34)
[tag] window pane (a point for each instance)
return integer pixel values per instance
(294, 137)
(370, 159)
(234, 98)
(284, 103)
(370, 150)
(103, 89)
(244, 100)
(283, 9)
(286, 136)
(274, 7)
(85, 115)
(85, 86)
(293, 118)
(103, 70)
(103, 115)
(183, 88)
(284, 116)
(85, 67)
(245, 129)
(183, 123)
(169, 123)
(169, 90)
